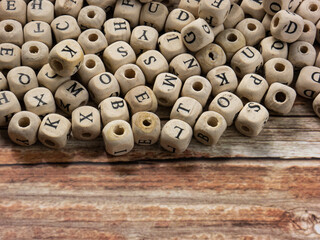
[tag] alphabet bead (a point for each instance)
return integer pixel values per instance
(214, 12)
(316, 105)
(118, 137)
(253, 8)
(171, 45)
(65, 27)
(309, 32)
(146, 128)
(9, 106)
(235, 15)
(176, 136)
(143, 38)
(278, 70)
(91, 17)
(92, 66)
(23, 128)
(154, 14)
(271, 47)
(228, 105)
(190, 5)
(68, 7)
(92, 41)
(251, 119)
(40, 10)
(66, 57)
(3, 82)
(34, 54)
(86, 123)
(113, 108)
(266, 21)
(308, 82)
(13, 9)
(9, 56)
(209, 128)
(38, 31)
(252, 30)
(177, 19)
(301, 54)
(129, 10)
(54, 131)
(273, 6)
(71, 95)
(117, 29)
(310, 10)
(107, 5)
(11, 32)
(184, 65)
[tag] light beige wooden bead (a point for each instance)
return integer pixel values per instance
(309, 32)
(71, 95)
(235, 15)
(280, 98)
(252, 88)
(11, 32)
(254, 8)
(231, 40)
(40, 101)
(171, 45)
(102, 86)
(214, 12)
(66, 57)
(177, 19)
(167, 88)
(92, 66)
(117, 29)
(38, 31)
(209, 128)
(129, 76)
(316, 105)
(10, 56)
(91, 17)
(251, 119)
(86, 123)
(317, 62)
(222, 79)
(141, 98)
(184, 65)
(118, 138)
(176, 136)
(13, 9)
(34, 54)
(49, 79)
(40, 10)
(246, 60)
(21, 80)
(68, 7)
(9, 105)
(3, 82)
(210, 56)
(252, 30)
(273, 6)
(286, 26)
(278, 70)
(65, 27)
(197, 87)
(301, 54)
(118, 54)
(217, 29)
(154, 14)
(113, 108)
(146, 128)
(152, 63)
(129, 10)
(23, 128)
(266, 21)
(191, 6)
(308, 82)
(271, 47)
(93, 41)
(54, 131)
(310, 10)
(197, 34)
(228, 105)
(143, 38)
(107, 5)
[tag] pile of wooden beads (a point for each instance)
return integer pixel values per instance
(127, 57)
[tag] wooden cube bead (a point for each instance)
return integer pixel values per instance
(209, 128)
(91, 17)
(107, 5)
(154, 14)
(86, 123)
(278, 70)
(251, 119)
(129, 10)
(39, 101)
(231, 40)
(309, 32)
(143, 38)
(117, 29)
(92, 41)
(294, 4)
(302, 54)
(113, 108)
(146, 128)
(3, 82)
(286, 26)
(129, 76)
(252, 30)
(171, 45)
(141, 98)
(197, 34)
(10, 56)
(222, 79)
(228, 105)
(38, 31)
(235, 15)
(68, 7)
(71, 95)
(280, 98)
(54, 131)
(92, 66)
(167, 88)
(176, 136)
(118, 54)
(246, 60)
(65, 27)
(49, 79)
(184, 65)
(40, 10)
(9, 105)
(253, 8)
(197, 87)
(316, 105)
(152, 63)
(190, 5)
(308, 82)
(252, 88)
(34, 54)
(310, 10)
(66, 57)
(177, 19)
(13, 9)
(217, 29)
(271, 47)
(118, 137)
(266, 21)
(214, 12)
(273, 6)
(11, 32)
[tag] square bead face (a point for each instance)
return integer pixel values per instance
(9, 105)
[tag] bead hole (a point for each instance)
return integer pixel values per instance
(163, 100)
(213, 122)
(232, 37)
(279, 67)
(251, 26)
(313, 7)
(8, 28)
(129, 73)
(24, 122)
(211, 55)
(86, 135)
(197, 86)
(93, 37)
(276, 22)
(306, 28)
(281, 97)
(56, 65)
(146, 122)
(49, 143)
(304, 49)
(90, 63)
(245, 128)
(118, 130)
(33, 49)
(91, 14)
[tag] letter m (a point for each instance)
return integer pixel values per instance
(74, 90)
